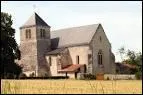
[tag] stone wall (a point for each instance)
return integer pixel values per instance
(33, 50)
(28, 48)
(82, 52)
(68, 57)
(43, 46)
(65, 58)
(96, 44)
(53, 66)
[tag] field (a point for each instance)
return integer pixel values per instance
(71, 86)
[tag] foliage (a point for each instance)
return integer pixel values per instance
(32, 75)
(133, 58)
(9, 48)
(122, 51)
(138, 75)
(49, 77)
(22, 75)
(89, 76)
(108, 78)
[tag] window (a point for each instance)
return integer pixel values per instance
(100, 38)
(77, 59)
(28, 33)
(84, 68)
(89, 59)
(50, 60)
(42, 33)
(99, 56)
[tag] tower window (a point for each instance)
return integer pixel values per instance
(42, 33)
(28, 33)
(99, 56)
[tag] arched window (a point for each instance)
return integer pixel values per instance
(28, 33)
(99, 56)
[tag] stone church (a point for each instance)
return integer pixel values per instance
(82, 49)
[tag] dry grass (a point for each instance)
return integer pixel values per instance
(71, 86)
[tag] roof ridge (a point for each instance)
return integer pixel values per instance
(76, 27)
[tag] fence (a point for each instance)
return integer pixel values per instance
(119, 76)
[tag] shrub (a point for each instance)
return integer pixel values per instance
(138, 75)
(50, 77)
(107, 78)
(89, 76)
(22, 76)
(32, 75)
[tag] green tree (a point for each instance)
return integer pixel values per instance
(135, 58)
(122, 52)
(9, 48)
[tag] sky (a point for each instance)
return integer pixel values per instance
(121, 20)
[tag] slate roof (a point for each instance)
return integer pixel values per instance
(35, 19)
(56, 51)
(73, 36)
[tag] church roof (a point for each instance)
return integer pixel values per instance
(35, 19)
(73, 36)
(56, 51)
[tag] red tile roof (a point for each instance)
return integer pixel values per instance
(71, 68)
(130, 66)
(127, 65)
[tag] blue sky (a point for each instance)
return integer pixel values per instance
(121, 20)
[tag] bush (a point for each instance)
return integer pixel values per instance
(22, 76)
(50, 77)
(107, 78)
(9, 76)
(32, 75)
(138, 75)
(89, 76)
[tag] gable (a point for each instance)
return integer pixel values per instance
(100, 33)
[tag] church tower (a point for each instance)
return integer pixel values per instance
(34, 43)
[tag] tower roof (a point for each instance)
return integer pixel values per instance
(35, 19)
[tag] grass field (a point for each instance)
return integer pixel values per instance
(71, 86)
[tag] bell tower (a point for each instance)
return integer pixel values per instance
(34, 43)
